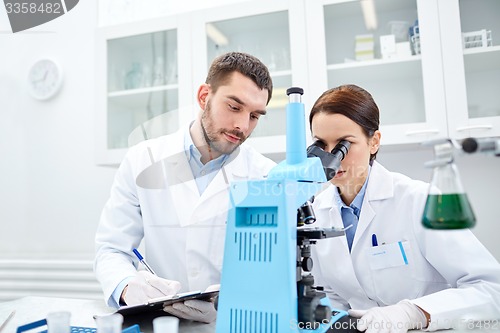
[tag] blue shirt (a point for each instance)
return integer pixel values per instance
(350, 214)
(202, 173)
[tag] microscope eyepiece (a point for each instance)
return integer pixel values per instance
(330, 160)
(295, 90)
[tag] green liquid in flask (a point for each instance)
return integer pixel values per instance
(448, 211)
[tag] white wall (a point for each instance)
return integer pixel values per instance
(51, 191)
(119, 11)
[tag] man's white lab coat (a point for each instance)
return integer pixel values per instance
(155, 199)
(450, 274)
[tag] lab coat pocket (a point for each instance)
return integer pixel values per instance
(391, 265)
(388, 255)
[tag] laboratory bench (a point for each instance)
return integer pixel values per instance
(31, 308)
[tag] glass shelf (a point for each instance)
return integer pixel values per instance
(127, 112)
(142, 90)
(395, 81)
(393, 68)
(142, 85)
(344, 21)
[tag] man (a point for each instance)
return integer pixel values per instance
(177, 206)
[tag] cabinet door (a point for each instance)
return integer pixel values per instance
(273, 32)
(140, 80)
(367, 43)
(471, 53)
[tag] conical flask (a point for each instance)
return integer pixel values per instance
(447, 206)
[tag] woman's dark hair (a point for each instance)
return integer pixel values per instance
(353, 102)
(224, 65)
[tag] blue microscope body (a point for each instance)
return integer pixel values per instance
(261, 270)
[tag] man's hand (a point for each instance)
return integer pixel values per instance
(146, 286)
(398, 318)
(194, 309)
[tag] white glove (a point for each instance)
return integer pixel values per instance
(145, 286)
(398, 318)
(195, 309)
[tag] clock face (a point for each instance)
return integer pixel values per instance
(44, 79)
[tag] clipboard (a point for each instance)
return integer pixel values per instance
(159, 303)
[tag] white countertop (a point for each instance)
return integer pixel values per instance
(30, 309)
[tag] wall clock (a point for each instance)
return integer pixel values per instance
(44, 79)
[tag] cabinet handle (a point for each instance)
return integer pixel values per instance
(422, 132)
(466, 128)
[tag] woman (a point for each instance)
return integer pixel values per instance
(390, 271)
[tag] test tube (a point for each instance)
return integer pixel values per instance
(58, 322)
(166, 324)
(109, 323)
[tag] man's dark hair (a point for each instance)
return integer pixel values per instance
(224, 65)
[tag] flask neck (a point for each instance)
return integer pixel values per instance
(446, 180)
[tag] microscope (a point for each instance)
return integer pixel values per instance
(311, 311)
(266, 283)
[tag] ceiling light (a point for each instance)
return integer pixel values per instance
(369, 14)
(216, 35)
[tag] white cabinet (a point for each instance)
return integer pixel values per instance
(472, 73)
(445, 91)
(186, 45)
(150, 70)
(144, 86)
(408, 88)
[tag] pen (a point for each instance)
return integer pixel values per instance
(7, 320)
(374, 240)
(141, 259)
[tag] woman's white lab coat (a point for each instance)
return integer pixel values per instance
(155, 197)
(450, 274)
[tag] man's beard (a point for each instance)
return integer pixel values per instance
(215, 137)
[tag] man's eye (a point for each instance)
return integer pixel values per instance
(254, 116)
(232, 107)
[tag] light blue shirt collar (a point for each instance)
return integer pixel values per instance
(358, 200)
(202, 173)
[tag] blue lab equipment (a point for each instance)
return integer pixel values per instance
(41, 324)
(262, 286)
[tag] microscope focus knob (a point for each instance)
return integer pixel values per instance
(322, 313)
(307, 264)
